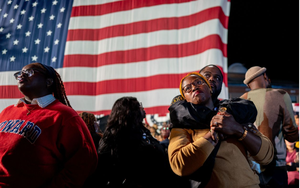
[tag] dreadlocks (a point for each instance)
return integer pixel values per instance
(57, 87)
(59, 90)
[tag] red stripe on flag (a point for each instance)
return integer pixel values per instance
(163, 110)
(146, 54)
(124, 85)
(97, 10)
(10, 91)
(149, 25)
(110, 86)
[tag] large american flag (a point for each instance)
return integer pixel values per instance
(106, 49)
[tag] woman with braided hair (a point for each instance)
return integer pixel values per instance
(44, 143)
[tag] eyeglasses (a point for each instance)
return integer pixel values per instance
(188, 88)
(165, 128)
(27, 72)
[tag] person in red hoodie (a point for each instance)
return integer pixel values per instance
(44, 143)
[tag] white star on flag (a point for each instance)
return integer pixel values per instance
(46, 49)
(34, 4)
(12, 58)
(16, 42)
(49, 33)
(27, 33)
(53, 59)
(37, 41)
(24, 50)
(4, 51)
(40, 25)
(55, 2)
(34, 58)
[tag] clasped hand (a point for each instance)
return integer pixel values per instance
(224, 125)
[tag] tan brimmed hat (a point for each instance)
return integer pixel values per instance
(253, 72)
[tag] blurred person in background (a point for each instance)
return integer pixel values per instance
(275, 119)
(153, 131)
(128, 155)
(296, 116)
(165, 133)
(91, 122)
(292, 162)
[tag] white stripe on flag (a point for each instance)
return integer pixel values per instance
(105, 102)
(77, 3)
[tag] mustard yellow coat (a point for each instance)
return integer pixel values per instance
(188, 150)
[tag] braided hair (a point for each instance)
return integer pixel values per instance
(59, 90)
(57, 87)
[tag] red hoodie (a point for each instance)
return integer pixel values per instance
(50, 146)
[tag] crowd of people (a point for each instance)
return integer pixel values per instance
(251, 141)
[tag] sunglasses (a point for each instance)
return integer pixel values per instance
(27, 72)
